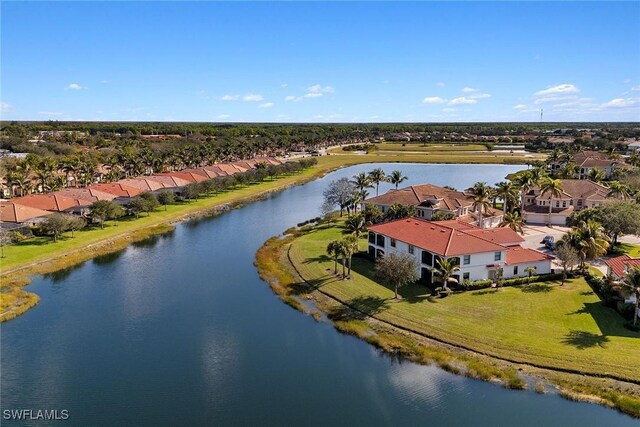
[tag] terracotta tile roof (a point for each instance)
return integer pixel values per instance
(202, 172)
(12, 212)
(618, 264)
(519, 255)
(501, 236)
(228, 169)
(545, 209)
(215, 169)
(435, 237)
(50, 202)
(187, 176)
(120, 190)
(86, 194)
(142, 183)
(592, 159)
(424, 195)
(169, 181)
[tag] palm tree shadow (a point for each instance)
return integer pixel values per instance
(359, 308)
(582, 340)
(536, 288)
(305, 287)
(319, 258)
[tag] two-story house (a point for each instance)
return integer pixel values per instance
(577, 194)
(478, 252)
(429, 199)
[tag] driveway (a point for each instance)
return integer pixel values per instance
(533, 235)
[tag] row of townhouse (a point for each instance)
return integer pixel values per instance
(588, 160)
(479, 253)
(27, 211)
(429, 199)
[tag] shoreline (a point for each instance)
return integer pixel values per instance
(277, 269)
(17, 276)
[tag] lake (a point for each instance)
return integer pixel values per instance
(180, 330)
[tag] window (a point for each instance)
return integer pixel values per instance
(393, 243)
(380, 240)
(557, 204)
(466, 260)
(411, 249)
(465, 276)
(497, 256)
(515, 270)
(564, 203)
(372, 237)
(427, 258)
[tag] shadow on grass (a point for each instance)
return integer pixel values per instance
(587, 293)
(300, 288)
(583, 340)
(359, 308)
(536, 288)
(321, 258)
(484, 292)
(608, 320)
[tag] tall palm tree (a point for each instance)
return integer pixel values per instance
(525, 181)
(355, 224)
(21, 179)
(481, 195)
(507, 192)
(552, 187)
(445, 269)
(595, 175)
(588, 239)
(362, 182)
(514, 221)
(631, 285)
(619, 190)
(350, 247)
(335, 249)
(377, 176)
(396, 178)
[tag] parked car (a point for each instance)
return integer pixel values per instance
(547, 239)
(550, 245)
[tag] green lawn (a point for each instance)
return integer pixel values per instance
(629, 249)
(544, 324)
(430, 147)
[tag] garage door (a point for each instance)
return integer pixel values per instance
(534, 218)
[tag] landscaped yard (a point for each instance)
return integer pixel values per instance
(562, 327)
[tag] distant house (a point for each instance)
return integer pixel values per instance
(171, 182)
(54, 202)
(588, 160)
(478, 252)
(15, 216)
(122, 192)
(577, 194)
(429, 199)
(86, 193)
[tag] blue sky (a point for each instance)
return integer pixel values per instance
(320, 62)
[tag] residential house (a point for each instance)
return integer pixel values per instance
(54, 202)
(14, 216)
(429, 199)
(86, 193)
(478, 252)
(122, 192)
(588, 160)
(617, 267)
(577, 194)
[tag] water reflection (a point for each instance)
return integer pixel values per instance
(109, 258)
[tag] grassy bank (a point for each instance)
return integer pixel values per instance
(559, 334)
(40, 255)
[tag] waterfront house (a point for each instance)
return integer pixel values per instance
(479, 252)
(617, 267)
(577, 194)
(429, 199)
(588, 160)
(54, 202)
(14, 216)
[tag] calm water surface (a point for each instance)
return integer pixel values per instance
(180, 330)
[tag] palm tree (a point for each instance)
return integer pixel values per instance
(634, 159)
(595, 175)
(507, 192)
(377, 176)
(350, 246)
(335, 249)
(355, 224)
(514, 221)
(362, 182)
(525, 181)
(481, 195)
(619, 190)
(553, 187)
(631, 285)
(569, 171)
(588, 239)
(531, 270)
(445, 269)
(21, 179)
(396, 178)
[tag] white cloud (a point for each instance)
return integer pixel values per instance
(433, 100)
(320, 89)
(440, 84)
(230, 98)
(223, 116)
(480, 95)
(266, 105)
(469, 90)
(104, 82)
(5, 107)
(252, 97)
(564, 88)
(636, 88)
(75, 86)
(620, 103)
(313, 95)
(520, 107)
(292, 98)
(50, 113)
(462, 100)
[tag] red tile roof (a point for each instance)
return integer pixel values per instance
(435, 237)
(86, 194)
(423, 194)
(120, 190)
(142, 183)
(519, 255)
(169, 181)
(501, 236)
(50, 202)
(619, 264)
(12, 212)
(187, 176)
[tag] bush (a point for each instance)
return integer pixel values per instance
(625, 309)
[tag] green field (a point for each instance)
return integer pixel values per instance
(543, 324)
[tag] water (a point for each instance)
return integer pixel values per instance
(180, 330)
